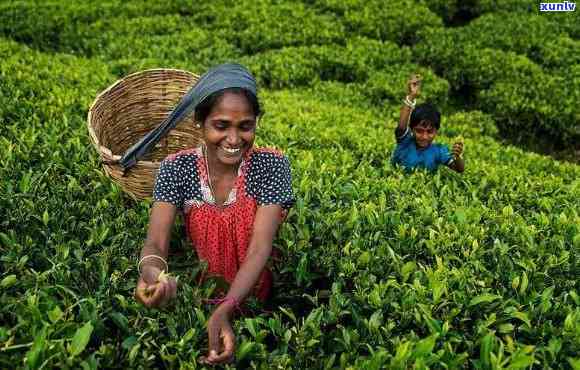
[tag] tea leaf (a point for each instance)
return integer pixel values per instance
(81, 339)
(483, 298)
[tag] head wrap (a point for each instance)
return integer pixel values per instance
(222, 77)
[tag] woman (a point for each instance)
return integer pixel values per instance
(233, 198)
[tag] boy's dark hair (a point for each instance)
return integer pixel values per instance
(425, 112)
(204, 108)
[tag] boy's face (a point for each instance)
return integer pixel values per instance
(424, 133)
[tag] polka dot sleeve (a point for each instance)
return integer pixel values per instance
(274, 181)
(168, 187)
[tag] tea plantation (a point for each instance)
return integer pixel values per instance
(381, 269)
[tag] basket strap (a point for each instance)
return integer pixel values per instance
(219, 78)
(143, 146)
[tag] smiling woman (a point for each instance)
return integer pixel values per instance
(233, 198)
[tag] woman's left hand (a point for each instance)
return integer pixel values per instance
(222, 341)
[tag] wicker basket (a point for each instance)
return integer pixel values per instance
(129, 109)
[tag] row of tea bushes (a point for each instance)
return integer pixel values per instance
(519, 93)
(372, 69)
(286, 53)
(460, 12)
(305, 65)
(424, 271)
(270, 25)
(42, 24)
(528, 34)
(441, 270)
(396, 21)
(58, 27)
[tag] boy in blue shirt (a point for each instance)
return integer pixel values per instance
(415, 147)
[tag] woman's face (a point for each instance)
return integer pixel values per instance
(229, 129)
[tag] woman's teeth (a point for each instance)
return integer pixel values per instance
(231, 151)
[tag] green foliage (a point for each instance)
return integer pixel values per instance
(168, 40)
(396, 21)
(518, 92)
(460, 12)
(304, 66)
(532, 102)
(471, 65)
(44, 24)
(526, 34)
(469, 124)
(383, 85)
(272, 25)
(381, 269)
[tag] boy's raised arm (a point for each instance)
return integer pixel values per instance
(413, 90)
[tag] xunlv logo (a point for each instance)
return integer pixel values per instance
(558, 7)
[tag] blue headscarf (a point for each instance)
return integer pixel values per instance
(222, 77)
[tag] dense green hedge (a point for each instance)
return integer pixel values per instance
(271, 25)
(519, 93)
(530, 105)
(300, 66)
(527, 34)
(436, 271)
(43, 24)
(396, 21)
(128, 45)
(461, 12)
(376, 70)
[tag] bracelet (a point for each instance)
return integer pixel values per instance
(152, 256)
(409, 103)
(218, 301)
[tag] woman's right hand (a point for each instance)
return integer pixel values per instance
(155, 289)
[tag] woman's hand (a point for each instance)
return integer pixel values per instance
(222, 341)
(154, 288)
(414, 86)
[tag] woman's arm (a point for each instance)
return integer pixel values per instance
(266, 225)
(150, 291)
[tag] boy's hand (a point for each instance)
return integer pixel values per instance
(457, 150)
(414, 86)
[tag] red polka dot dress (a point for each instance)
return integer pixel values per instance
(222, 235)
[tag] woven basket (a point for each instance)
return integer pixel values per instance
(129, 109)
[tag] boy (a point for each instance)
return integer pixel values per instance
(415, 147)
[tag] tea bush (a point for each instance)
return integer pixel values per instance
(43, 24)
(506, 84)
(460, 12)
(525, 34)
(303, 66)
(272, 25)
(395, 21)
(167, 38)
(381, 269)
(532, 102)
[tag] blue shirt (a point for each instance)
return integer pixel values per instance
(410, 157)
